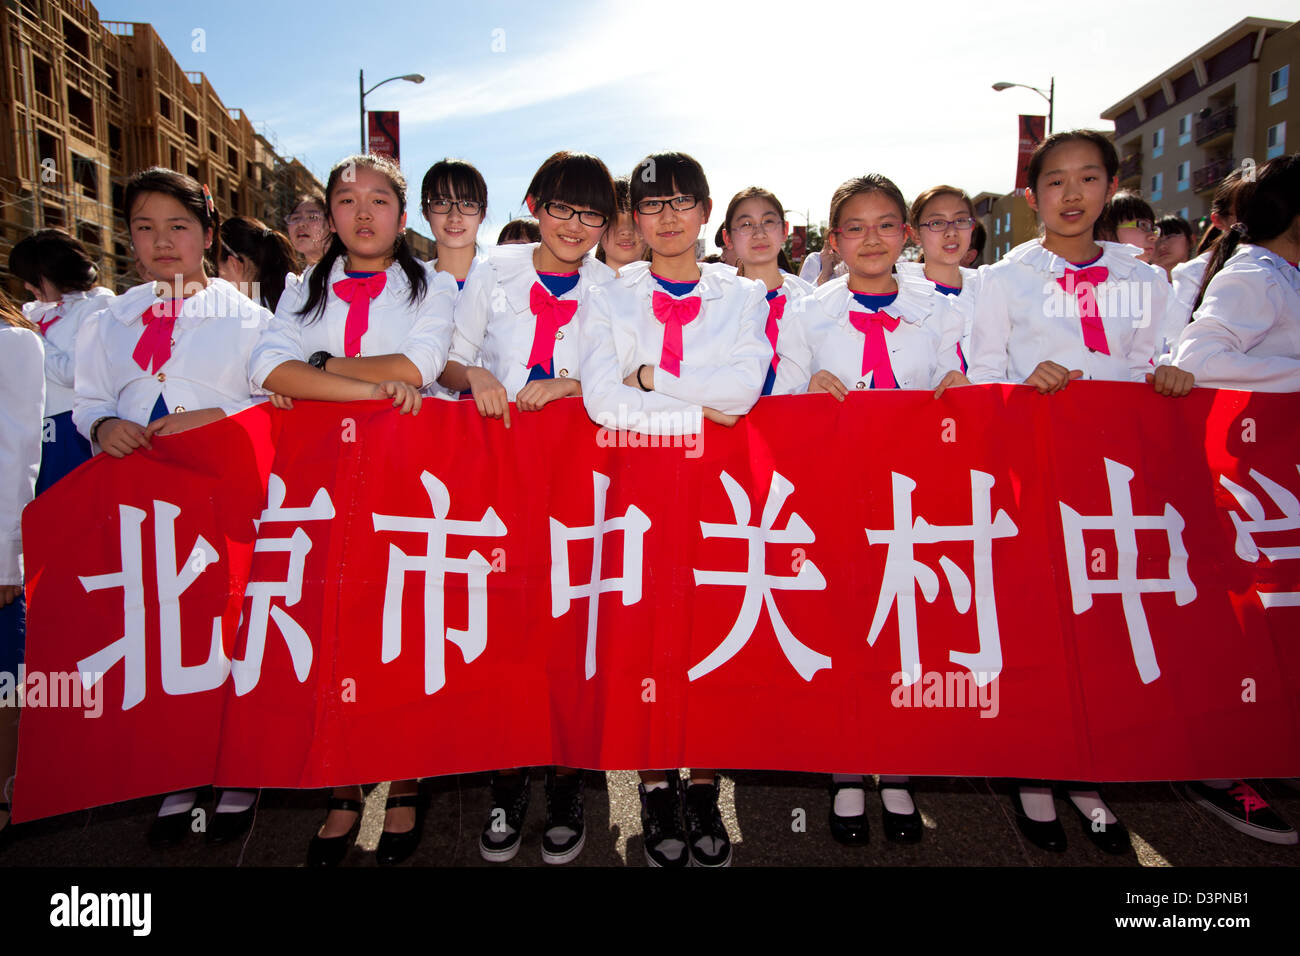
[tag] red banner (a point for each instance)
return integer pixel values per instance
(798, 243)
(383, 135)
(1101, 584)
(1031, 134)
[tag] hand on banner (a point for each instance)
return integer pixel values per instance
(119, 437)
(281, 401)
(178, 422)
(721, 418)
(489, 394)
(536, 394)
(9, 593)
(1171, 381)
(953, 378)
(406, 397)
(825, 381)
(1048, 377)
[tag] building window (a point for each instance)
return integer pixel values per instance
(1157, 186)
(997, 226)
(1185, 214)
(1277, 139)
(1184, 175)
(1277, 84)
(1185, 130)
(1158, 143)
(1006, 226)
(164, 107)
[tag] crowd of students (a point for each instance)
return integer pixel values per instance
(600, 295)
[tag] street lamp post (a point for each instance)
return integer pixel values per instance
(1050, 96)
(361, 88)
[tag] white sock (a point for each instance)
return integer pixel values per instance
(182, 802)
(1218, 784)
(1089, 801)
(850, 802)
(236, 801)
(895, 798)
(661, 785)
(1038, 803)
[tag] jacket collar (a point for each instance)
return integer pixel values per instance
(912, 305)
(1119, 258)
(637, 277)
(514, 265)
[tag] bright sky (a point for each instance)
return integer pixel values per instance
(794, 97)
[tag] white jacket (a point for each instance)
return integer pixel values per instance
(963, 302)
(61, 341)
(726, 352)
(208, 368)
(22, 403)
(1246, 334)
(422, 332)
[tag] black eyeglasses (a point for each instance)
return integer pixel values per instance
(558, 210)
(649, 207)
(941, 225)
(467, 207)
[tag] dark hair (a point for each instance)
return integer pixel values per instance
(664, 174)
(577, 178)
(53, 255)
(751, 192)
(978, 236)
(1124, 205)
(312, 196)
(1109, 158)
(1168, 225)
(11, 314)
(1224, 204)
(195, 198)
(934, 192)
(317, 291)
(623, 195)
(270, 252)
(524, 228)
(452, 178)
(1265, 209)
(860, 185)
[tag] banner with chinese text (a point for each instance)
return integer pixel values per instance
(1102, 584)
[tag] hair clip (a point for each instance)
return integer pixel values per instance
(1239, 228)
(207, 198)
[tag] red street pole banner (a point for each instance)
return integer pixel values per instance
(1102, 584)
(383, 134)
(1031, 134)
(798, 243)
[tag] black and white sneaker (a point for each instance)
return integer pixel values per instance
(565, 835)
(661, 824)
(1242, 808)
(705, 832)
(499, 841)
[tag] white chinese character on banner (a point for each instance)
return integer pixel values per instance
(1247, 549)
(634, 524)
(129, 650)
(903, 573)
(435, 566)
(1126, 583)
(247, 671)
(758, 584)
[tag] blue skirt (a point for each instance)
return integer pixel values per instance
(65, 452)
(13, 630)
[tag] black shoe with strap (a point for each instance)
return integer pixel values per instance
(1044, 834)
(854, 830)
(393, 848)
(330, 851)
(1108, 837)
(228, 827)
(6, 832)
(901, 827)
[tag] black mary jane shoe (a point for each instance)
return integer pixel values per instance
(7, 831)
(1046, 835)
(901, 827)
(330, 851)
(851, 831)
(1112, 838)
(229, 827)
(393, 848)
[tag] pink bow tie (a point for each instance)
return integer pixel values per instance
(775, 311)
(875, 356)
(46, 323)
(155, 345)
(357, 292)
(1083, 283)
(673, 313)
(552, 313)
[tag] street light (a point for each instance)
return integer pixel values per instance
(1050, 96)
(361, 86)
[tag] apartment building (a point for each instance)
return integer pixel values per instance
(1225, 104)
(1008, 221)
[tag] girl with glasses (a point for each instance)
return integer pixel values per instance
(870, 329)
(309, 228)
(755, 230)
(622, 243)
(1129, 218)
(517, 339)
(666, 344)
(453, 196)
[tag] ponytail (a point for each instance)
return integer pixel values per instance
(1223, 250)
(269, 251)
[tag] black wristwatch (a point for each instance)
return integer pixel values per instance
(318, 359)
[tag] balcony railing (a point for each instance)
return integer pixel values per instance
(1216, 124)
(1208, 176)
